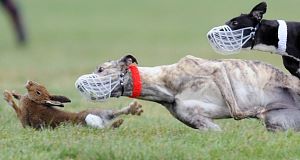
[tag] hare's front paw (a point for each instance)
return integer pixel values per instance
(8, 96)
(136, 108)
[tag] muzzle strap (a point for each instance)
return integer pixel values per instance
(136, 80)
(254, 35)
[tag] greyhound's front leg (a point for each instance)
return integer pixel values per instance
(192, 115)
(224, 84)
(133, 108)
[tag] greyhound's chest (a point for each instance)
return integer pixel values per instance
(248, 85)
(205, 99)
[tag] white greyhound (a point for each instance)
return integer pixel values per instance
(196, 90)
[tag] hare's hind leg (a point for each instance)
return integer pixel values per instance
(8, 97)
(133, 108)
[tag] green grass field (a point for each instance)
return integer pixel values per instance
(69, 38)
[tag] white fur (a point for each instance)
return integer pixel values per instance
(282, 36)
(272, 49)
(265, 48)
(94, 121)
(282, 39)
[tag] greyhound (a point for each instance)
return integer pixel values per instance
(275, 36)
(196, 91)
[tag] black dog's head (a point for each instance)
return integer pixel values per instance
(248, 20)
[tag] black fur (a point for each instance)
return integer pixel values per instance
(267, 34)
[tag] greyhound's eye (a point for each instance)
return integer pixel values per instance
(234, 23)
(100, 69)
(38, 92)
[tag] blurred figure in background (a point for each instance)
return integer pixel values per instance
(14, 14)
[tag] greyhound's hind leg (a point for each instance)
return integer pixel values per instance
(282, 119)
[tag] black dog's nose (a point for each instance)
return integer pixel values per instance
(209, 36)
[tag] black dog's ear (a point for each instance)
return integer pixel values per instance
(61, 99)
(129, 59)
(258, 11)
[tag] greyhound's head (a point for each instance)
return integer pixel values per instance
(115, 67)
(239, 32)
(108, 80)
(248, 20)
(251, 19)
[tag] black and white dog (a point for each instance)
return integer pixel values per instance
(252, 32)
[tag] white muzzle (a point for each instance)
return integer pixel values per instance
(97, 88)
(226, 41)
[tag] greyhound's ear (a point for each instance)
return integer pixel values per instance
(51, 103)
(258, 11)
(61, 99)
(129, 59)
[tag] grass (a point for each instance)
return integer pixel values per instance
(69, 38)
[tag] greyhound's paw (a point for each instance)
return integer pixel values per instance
(239, 116)
(117, 123)
(135, 108)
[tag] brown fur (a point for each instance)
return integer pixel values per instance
(36, 109)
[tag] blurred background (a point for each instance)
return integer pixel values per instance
(69, 38)
(66, 39)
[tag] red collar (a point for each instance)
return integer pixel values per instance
(136, 80)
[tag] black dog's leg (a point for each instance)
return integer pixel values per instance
(291, 65)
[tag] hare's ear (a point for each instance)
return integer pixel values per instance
(57, 101)
(51, 103)
(61, 99)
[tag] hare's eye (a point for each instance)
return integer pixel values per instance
(38, 92)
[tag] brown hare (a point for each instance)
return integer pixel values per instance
(36, 110)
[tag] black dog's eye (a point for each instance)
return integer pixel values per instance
(38, 92)
(100, 69)
(234, 23)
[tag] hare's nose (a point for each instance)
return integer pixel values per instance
(28, 83)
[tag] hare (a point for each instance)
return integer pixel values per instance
(36, 110)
